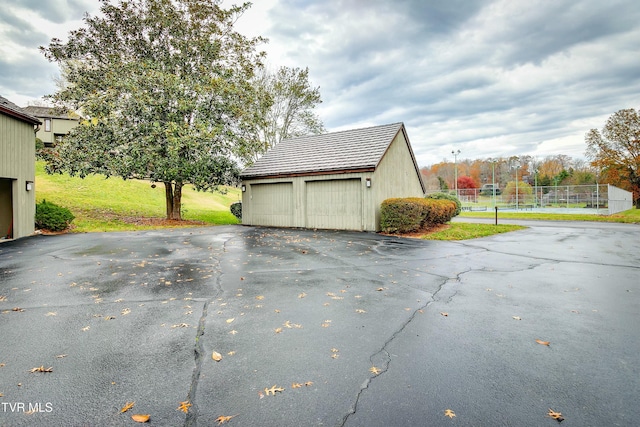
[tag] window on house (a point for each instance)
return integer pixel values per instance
(47, 125)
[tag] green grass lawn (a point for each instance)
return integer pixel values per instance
(465, 231)
(114, 204)
(630, 216)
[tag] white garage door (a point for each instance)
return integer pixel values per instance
(334, 204)
(272, 204)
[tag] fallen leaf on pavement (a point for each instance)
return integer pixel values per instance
(543, 342)
(296, 385)
(180, 325)
(41, 369)
(449, 413)
(216, 356)
(140, 418)
(184, 406)
(302, 295)
(374, 370)
(445, 314)
(273, 390)
(555, 415)
(231, 320)
(224, 418)
(127, 406)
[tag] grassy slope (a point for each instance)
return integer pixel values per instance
(101, 204)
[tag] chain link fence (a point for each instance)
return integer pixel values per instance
(602, 199)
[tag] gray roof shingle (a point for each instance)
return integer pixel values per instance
(50, 113)
(348, 150)
(12, 109)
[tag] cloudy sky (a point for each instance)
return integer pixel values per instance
(486, 77)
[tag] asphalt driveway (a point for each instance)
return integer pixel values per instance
(352, 329)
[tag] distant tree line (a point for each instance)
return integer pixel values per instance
(551, 170)
(613, 153)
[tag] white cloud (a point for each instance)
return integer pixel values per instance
(488, 77)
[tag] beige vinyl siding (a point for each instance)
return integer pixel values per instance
(396, 176)
(272, 204)
(58, 127)
(17, 166)
(334, 204)
(250, 211)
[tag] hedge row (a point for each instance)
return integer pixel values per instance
(445, 196)
(408, 215)
(236, 210)
(52, 217)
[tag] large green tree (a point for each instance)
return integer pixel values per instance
(165, 86)
(284, 109)
(616, 150)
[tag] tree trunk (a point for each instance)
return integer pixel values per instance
(173, 197)
(177, 201)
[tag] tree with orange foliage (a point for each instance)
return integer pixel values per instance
(616, 150)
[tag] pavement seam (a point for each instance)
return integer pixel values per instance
(192, 415)
(385, 358)
(191, 418)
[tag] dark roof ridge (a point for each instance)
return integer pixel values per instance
(13, 110)
(345, 131)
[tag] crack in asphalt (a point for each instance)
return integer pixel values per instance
(192, 415)
(551, 260)
(191, 418)
(382, 356)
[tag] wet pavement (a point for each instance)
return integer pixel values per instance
(352, 329)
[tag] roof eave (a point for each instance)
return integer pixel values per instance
(309, 173)
(20, 116)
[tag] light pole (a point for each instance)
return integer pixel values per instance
(517, 167)
(493, 181)
(455, 166)
(535, 189)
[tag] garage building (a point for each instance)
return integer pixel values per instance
(331, 181)
(17, 171)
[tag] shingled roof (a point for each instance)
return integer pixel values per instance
(356, 150)
(13, 110)
(50, 113)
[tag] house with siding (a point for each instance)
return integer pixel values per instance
(55, 124)
(17, 171)
(331, 181)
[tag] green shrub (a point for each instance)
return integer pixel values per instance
(236, 210)
(412, 214)
(50, 216)
(446, 196)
